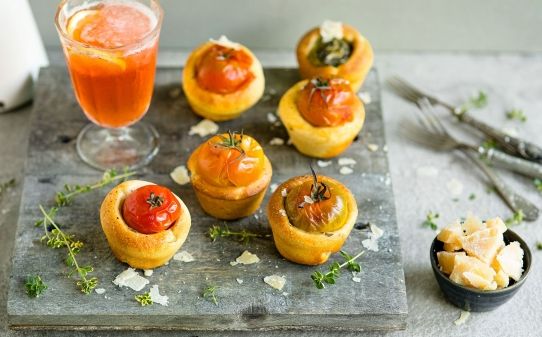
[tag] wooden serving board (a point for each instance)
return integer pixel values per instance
(378, 302)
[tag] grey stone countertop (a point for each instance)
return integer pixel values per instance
(423, 180)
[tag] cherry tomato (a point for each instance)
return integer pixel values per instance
(224, 70)
(326, 102)
(151, 209)
(231, 160)
(321, 215)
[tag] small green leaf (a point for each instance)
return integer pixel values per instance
(516, 114)
(144, 299)
(35, 286)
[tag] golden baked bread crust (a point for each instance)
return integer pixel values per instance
(228, 203)
(320, 142)
(141, 251)
(221, 107)
(355, 69)
(303, 247)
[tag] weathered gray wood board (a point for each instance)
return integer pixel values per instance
(378, 302)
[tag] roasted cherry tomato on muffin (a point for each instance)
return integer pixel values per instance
(151, 209)
(224, 70)
(231, 159)
(315, 207)
(326, 102)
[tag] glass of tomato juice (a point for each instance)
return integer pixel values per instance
(110, 48)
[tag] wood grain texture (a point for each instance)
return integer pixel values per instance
(378, 302)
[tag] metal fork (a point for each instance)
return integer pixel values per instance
(433, 125)
(494, 157)
(512, 145)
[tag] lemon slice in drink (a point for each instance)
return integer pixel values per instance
(73, 28)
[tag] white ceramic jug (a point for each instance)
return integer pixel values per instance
(22, 53)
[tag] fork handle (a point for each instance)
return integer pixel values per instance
(506, 161)
(512, 145)
(515, 201)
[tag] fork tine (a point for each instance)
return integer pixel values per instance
(403, 90)
(429, 111)
(420, 135)
(424, 120)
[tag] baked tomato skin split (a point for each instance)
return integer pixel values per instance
(231, 159)
(326, 102)
(151, 209)
(224, 70)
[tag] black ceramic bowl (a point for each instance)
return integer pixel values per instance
(470, 299)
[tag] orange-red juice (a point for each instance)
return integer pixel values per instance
(113, 65)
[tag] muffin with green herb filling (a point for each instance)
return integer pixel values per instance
(335, 50)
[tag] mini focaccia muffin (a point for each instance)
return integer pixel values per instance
(311, 217)
(222, 79)
(335, 50)
(145, 224)
(230, 174)
(322, 116)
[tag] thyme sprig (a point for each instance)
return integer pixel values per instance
(35, 286)
(154, 200)
(430, 219)
(144, 299)
(243, 236)
(538, 184)
(58, 239)
(475, 102)
(209, 293)
(320, 279)
(515, 219)
(517, 114)
(55, 237)
(6, 185)
(64, 198)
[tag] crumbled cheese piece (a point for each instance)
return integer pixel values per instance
(289, 141)
(99, 291)
(347, 161)
(285, 293)
(180, 175)
(148, 272)
(509, 131)
(284, 192)
(225, 42)
(183, 256)
(204, 128)
(323, 163)
(273, 187)
(247, 258)
(455, 187)
(131, 279)
(234, 263)
(462, 318)
(282, 212)
(156, 297)
(372, 147)
(372, 242)
(427, 171)
(276, 141)
(356, 279)
(365, 97)
(308, 200)
(385, 148)
(346, 170)
(376, 232)
(330, 30)
(275, 281)
(240, 281)
(271, 117)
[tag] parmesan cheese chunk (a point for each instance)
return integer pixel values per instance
(464, 264)
(180, 175)
(510, 259)
(275, 281)
(225, 42)
(345, 170)
(462, 318)
(346, 161)
(365, 97)
(472, 224)
(204, 128)
(330, 30)
(247, 258)
(131, 279)
(156, 297)
(99, 291)
(276, 141)
(446, 260)
(183, 256)
(483, 244)
(323, 163)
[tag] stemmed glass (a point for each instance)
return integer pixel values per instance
(112, 72)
